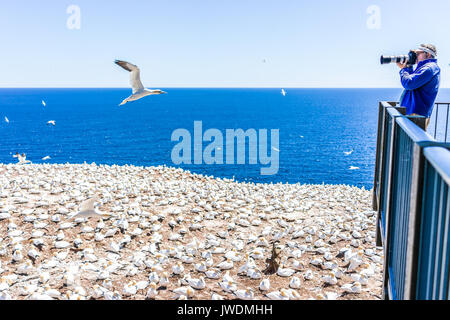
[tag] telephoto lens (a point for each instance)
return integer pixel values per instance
(410, 58)
(393, 59)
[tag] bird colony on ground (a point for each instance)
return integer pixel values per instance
(166, 233)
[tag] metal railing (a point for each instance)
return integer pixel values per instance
(404, 157)
(440, 118)
(434, 246)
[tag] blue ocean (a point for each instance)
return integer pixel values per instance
(316, 127)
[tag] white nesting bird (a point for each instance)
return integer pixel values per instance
(295, 283)
(185, 291)
(213, 274)
(51, 122)
(178, 268)
(285, 272)
(246, 294)
(278, 295)
(226, 264)
(352, 287)
(138, 90)
(87, 210)
(216, 296)
(330, 278)
(228, 286)
(197, 283)
(152, 291)
(264, 285)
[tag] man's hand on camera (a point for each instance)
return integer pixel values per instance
(402, 65)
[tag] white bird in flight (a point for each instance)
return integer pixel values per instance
(353, 168)
(138, 89)
(87, 210)
(22, 158)
(51, 122)
(348, 152)
(43, 103)
(6, 119)
(46, 158)
(283, 92)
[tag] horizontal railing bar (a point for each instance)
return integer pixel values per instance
(439, 158)
(393, 112)
(414, 132)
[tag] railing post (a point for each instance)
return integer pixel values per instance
(379, 172)
(377, 159)
(378, 175)
(415, 210)
(388, 185)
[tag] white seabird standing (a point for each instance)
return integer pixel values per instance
(135, 80)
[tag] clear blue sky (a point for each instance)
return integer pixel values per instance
(213, 43)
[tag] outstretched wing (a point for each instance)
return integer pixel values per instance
(135, 79)
(88, 204)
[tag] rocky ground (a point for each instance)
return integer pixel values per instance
(171, 234)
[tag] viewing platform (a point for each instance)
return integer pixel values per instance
(411, 196)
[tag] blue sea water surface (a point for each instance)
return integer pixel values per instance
(315, 127)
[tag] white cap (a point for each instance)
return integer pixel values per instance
(427, 50)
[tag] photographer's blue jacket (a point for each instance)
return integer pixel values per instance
(421, 87)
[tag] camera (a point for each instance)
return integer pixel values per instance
(409, 59)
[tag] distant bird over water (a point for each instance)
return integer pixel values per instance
(51, 122)
(46, 158)
(138, 89)
(43, 103)
(353, 168)
(348, 152)
(6, 119)
(283, 92)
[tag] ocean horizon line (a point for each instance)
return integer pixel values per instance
(209, 87)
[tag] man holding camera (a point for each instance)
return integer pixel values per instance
(422, 84)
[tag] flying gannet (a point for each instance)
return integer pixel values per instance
(87, 210)
(348, 152)
(135, 80)
(283, 92)
(51, 122)
(6, 119)
(22, 158)
(43, 103)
